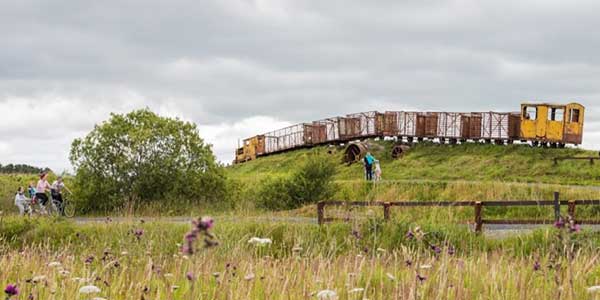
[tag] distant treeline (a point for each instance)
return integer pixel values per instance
(21, 169)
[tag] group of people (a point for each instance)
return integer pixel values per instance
(38, 195)
(372, 168)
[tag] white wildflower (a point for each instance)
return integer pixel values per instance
(174, 287)
(390, 276)
(64, 272)
(327, 295)
(216, 274)
(425, 267)
(260, 242)
(124, 253)
(37, 279)
(356, 290)
(249, 277)
(89, 289)
(54, 264)
(169, 275)
(593, 289)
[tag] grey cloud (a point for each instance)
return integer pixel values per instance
(223, 62)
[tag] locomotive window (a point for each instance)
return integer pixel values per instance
(574, 115)
(530, 113)
(556, 114)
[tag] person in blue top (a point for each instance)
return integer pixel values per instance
(368, 162)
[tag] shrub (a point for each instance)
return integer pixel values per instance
(311, 183)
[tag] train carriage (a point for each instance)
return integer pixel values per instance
(552, 123)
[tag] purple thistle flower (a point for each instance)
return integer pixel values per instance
(408, 263)
(190, 236)
(575, 228)
(89, 260)
(356, 234)
(206, 223)
(559, 224)
(190, 276)
(537, 266)
(138, 233)
(11, 290)
(451, 250)
(436, 249)
(410, 235)
(199, 226)
(421, 278)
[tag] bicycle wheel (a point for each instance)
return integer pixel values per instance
(68, 209)
(53, 208)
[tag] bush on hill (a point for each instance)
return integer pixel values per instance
(311, 183)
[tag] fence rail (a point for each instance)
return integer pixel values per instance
(591, 159)
(478, 206)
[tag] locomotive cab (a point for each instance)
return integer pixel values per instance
(251, 148)
(553, 123)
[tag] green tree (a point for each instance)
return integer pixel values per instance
(141, 157)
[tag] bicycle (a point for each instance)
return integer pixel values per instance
(34, 207)
(65, 208)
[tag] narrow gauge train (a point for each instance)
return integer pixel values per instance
(541, 124)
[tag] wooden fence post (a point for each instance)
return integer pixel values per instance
(556, 206)
(478, 217)
(386, 211)
(572, 209)
(320, 212)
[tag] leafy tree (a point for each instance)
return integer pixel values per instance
(141, 157)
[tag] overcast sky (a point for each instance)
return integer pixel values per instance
(238, 68)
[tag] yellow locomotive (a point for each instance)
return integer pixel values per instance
(554, 125)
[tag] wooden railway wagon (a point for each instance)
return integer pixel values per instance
(541, 124)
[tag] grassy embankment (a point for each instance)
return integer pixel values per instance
(368, 260)
(442, 172)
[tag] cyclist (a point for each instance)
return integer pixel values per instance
(56, 192)
(40, 191)
(22, 202)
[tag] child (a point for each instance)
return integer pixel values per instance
(377, 171)
(21, 201)
(31, 192)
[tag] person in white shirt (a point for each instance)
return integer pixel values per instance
(21, 201)
(56, 190)
(377, 171)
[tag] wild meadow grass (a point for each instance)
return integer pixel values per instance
(56, 259)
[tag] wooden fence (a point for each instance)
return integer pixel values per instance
(477, 205)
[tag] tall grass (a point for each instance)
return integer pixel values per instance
(370, 260)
